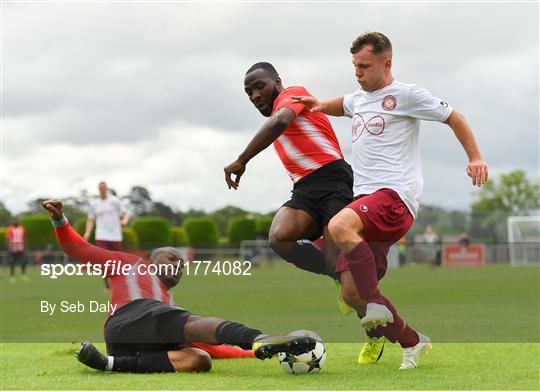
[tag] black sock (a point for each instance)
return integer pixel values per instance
(143, 362)
(237, 334)
(374, 333)
(305, 256)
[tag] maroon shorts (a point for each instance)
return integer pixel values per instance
(109, 245)
(386, 220)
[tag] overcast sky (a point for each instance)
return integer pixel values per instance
(152, 94)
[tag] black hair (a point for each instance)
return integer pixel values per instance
(266, 66)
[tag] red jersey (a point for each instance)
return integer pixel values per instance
(15, 237)
(309, 141)
(124, 287)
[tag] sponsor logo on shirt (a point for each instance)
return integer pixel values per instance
(444, 104)
(389, 103)
(374, 126)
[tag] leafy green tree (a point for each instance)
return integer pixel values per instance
(443, 221)
(202, 232)
(34, 205)
(191, 213)
(178, 236)
(130, 239)
(161, 209)
(74, 207)
(262, 225)
(5, 215)
(510, 194)
(3, 238)
(224, 215)
(241, 228)
(139, 201)
(38, 231)
(152, 231)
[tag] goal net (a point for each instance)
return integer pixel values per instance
(524, 239)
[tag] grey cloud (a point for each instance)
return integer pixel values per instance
(92, 76)
(114, 72)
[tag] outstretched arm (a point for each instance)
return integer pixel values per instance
(331, 107)
(75, 246)
(477, 169)
(269, 132)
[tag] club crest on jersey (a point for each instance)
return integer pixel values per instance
(389, 103)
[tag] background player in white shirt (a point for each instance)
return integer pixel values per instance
(109, 215)
(388, 182)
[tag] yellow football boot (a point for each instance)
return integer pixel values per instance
(372, 350)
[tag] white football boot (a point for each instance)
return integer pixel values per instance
(412, 355)
(376, 315)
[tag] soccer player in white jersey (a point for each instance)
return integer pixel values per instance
(388, 182)
(110, 215)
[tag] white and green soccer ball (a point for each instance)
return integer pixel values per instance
(307, 363)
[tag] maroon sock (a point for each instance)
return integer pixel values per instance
(361, 264)
(399, 330)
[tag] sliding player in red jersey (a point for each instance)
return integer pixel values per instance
(146, 332)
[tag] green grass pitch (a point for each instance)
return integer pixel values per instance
(484, 323)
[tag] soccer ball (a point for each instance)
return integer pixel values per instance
(310, 362)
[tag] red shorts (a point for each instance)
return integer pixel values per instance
(386, 220)
(109, 245)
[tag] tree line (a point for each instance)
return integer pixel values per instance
(509, 194)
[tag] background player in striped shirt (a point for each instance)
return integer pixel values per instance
(146, 332)
(15, 238)
(309, 149)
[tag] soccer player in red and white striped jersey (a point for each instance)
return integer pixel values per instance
(15, 238)
(145, 332)
(308, 148)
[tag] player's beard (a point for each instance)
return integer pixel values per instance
(268, 112)
(168, 281)
(275, 94)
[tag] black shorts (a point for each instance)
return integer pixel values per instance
(145, 325)
(17, 258)
(323, 193)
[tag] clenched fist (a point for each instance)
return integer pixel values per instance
(54, 208)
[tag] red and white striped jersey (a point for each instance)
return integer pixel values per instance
(124, 287)
(15, 237)
(309, 141)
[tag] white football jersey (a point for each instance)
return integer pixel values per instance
(107, 213)
(385, 132)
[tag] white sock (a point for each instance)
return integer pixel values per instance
(110, 362)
